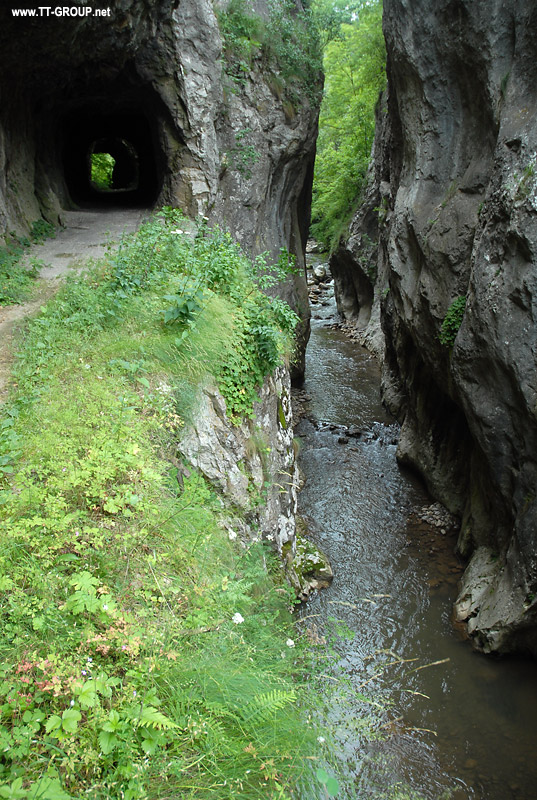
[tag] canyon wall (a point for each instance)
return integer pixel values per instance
(151, 79)
(455, 192)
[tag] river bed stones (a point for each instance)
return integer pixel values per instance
(436, 514)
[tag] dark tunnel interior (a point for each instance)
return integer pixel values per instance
(127, 136)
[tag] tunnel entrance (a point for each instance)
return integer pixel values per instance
(110, 158)
(85, 119)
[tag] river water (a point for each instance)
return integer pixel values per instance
(423, 715)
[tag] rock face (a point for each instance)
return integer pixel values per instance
(463, 222)
(253, 466)
(149, 82)
(457, 197)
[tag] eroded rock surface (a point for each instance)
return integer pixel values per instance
(457, 199)
(463, 222)
(252, 464)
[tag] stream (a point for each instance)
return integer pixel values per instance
(423, 716)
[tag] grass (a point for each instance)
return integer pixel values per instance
(144, 653)
(16, 279)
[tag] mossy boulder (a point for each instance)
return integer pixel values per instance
(307, 567)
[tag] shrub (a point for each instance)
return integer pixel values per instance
(286, 43)
(452, 321)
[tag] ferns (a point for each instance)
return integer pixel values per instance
(266, 705)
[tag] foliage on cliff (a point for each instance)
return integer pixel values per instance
(354, 64)
(285, 44)
(145, 652)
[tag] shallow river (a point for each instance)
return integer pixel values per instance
(462, 728)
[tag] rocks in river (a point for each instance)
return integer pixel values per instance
(319, 272)
(313, 247)
(308, 568)
(377, 432)
(321, 290)
(436, 514)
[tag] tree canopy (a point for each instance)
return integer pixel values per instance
(354, 64)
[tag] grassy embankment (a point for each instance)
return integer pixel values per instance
(143, 653)
(16, 280)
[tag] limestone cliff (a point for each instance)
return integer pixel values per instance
(457, 198)
(149, 83)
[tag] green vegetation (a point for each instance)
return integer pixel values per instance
(285, 46)
(452, 321)
(354, 64)
(242, 155)
(145, 652)
(102, 168)
(16, 279)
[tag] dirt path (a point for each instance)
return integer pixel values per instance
(86, 235)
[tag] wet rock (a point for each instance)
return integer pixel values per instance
(436, 514)
(354, 432)
(313, 247)
(308, 568)
(319, 272)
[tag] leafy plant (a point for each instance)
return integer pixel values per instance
(329, 783)
(452, 321)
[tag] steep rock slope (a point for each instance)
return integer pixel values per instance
(147, 82)
(462, 221)
(453, 198)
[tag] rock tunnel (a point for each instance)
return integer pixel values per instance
(129, 136)
(73, 91)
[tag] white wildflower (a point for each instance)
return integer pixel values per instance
(321, 739)
(290, 643)
(237, 618)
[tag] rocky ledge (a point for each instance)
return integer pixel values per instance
(253, 466)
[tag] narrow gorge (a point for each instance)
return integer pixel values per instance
(152, 486)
